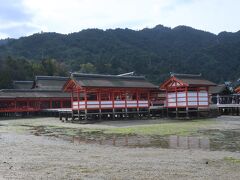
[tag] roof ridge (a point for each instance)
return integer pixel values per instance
(28, 90)
(185, 75)
(111, 81)
(51, 77)
(22, 81)
(76, 74)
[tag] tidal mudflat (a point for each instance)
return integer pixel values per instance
(45, 148)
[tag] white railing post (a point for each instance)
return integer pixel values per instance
(218, 99)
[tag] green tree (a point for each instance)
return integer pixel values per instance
(87, 68)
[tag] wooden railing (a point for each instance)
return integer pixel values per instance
(226, 99)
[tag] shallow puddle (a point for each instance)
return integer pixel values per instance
(228, 140)
(213, 140)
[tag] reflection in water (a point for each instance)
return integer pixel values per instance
(216, 140)
(188, 142)
(173, 142)
(211, 139)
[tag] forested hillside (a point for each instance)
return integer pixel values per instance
(152, 52)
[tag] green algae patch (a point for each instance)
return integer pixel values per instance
(161, 129)
(169, 128)
(232, 160)
(15, 129)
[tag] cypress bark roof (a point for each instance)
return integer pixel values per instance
(111, 81)
(193, 79)
(219, 89)
(22, 84)
(49, 82)
(32, 93)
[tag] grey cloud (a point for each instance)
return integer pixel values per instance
(19, 30)
(15, 19)
(12, 11)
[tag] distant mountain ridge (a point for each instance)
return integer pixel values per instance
(153, 52)
(4, 41)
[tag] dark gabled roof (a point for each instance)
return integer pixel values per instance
(219, 89)
(22, 84)
(193, 79)
(111, 81)
(49, 82)
(57, 78)
(32, 93)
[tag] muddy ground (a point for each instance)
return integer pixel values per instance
(27, 155)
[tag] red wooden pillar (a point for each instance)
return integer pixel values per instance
(187, 108)
(166, 95)
(197, 97)
(50, 104)
(15, 104)
(176, 95)
(72, 99)
(186, 96)
(35, 104)
(109, 95)
(198, 102)
(137, 97)
(148, 94)
(78, 99)
(27, 103)
(125, 102)
(176, 91)
(39, 104)
(61, 103)
(113, 105)
(100, 104)
(78, 109)
(99, 99)
(85, 100)
(207, 89)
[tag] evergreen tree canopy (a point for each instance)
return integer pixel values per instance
(152, 52)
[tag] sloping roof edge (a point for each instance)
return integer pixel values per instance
(106, 76)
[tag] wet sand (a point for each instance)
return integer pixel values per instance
(26, 156)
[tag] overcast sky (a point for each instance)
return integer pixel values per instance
(25, 17)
